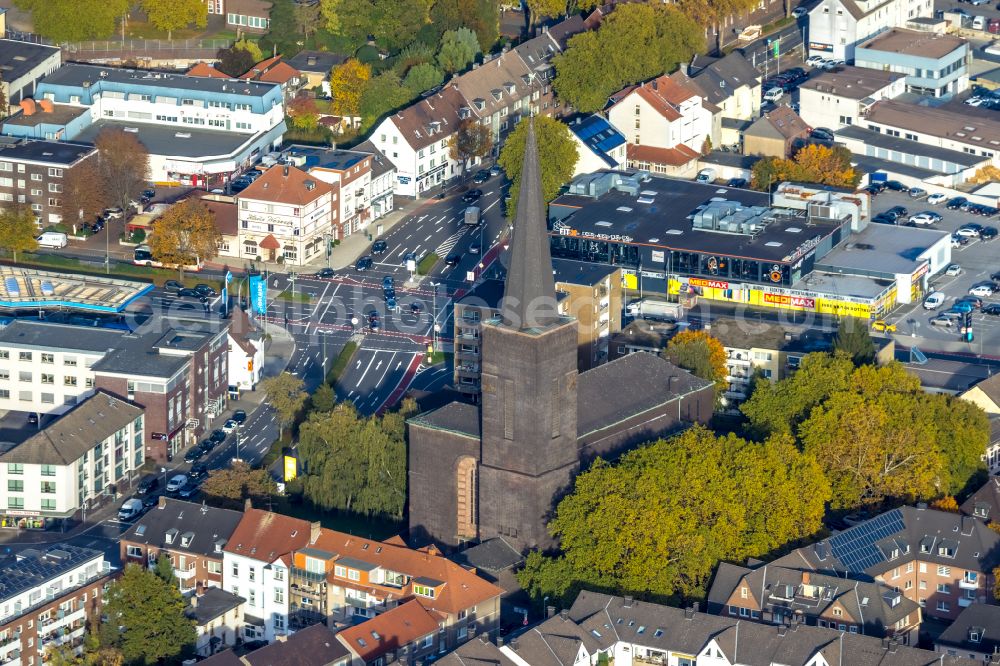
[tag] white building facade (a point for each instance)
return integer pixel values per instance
(836, 27)
(264, 585)
(662, 114)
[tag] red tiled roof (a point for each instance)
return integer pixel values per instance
(270, 242)
(225, 214)
(272, 70)
(286, 184)
(679, 155)
(664, 94)
(389, 631)
(266, 536)
(203, 69)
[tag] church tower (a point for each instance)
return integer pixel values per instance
(529, 451)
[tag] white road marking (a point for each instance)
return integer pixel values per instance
(428, 238)
(362, 377)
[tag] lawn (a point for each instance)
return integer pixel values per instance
(427, 264)
(145, 30)
(343, 358)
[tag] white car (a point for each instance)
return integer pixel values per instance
(936, 198)
(799, 12)
(953, 270)
(967, 232)
(815, 60)
(981, 290)
(925, 218)
(176, 482)
(773, 95)
(974, 101)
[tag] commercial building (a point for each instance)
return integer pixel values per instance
(843, 96)
(837, 27)
(777, 133)
(35, 172)
(975, 634)
(383, 178)
(935, 65)
(198, 131)
(286, 215)
(23, 65)
(351, 172)
(83, 459)
(50, 595)
(599, 145)
(192, 536)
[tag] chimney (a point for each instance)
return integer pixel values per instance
(513, 644)
(564, 614)
(314, 530)
(194, 600)
(805, 577)
(247, 504)
(499, 641)
(550, 611)
(284, 171)
(893, 645)
(161, 502)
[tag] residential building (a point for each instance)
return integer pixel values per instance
(985, 395)
(732, 85)
(481, 473)
(315, 67)
(343, 579)
(640, 336)
(943, 561)
(985, 502)
(35, 172)
(252, 16)
(593, 297)
(351, 172)
(198, 130)
(314, 646)
(192, 536)
(50, 595)
(256, 566)
(286, 215)
(975, 634)
(408, 633)
(777, 133)
(666, 122)
(271, 70)
(784, 596)
(599, 628)
(837, 27)
(598, 144)
(23, 65)
(224, 209)
(934, 64)
(246, 352)
(84, 458)
(174, 369)
(218, 618)
(383, 178)
(843, 96)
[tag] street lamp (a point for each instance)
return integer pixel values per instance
(435, 328)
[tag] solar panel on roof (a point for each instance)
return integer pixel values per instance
(856, 548)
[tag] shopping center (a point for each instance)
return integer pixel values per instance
(801, 249)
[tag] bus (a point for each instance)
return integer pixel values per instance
(143, 256)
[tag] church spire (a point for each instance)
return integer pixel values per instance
(530, 294)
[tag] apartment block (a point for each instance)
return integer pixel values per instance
(842, 97)
(935, 65)
(34, 173)
(218, 618)
(408, 634)
(192, 536)
(49, 595)
(351, 172)
(837, 27)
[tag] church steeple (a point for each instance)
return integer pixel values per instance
(530, 294)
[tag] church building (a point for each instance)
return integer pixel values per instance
(497, 469)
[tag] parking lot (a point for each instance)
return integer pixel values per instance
(978, 260)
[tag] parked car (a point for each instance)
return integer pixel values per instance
(207, 445)
(363, 264)
(896, 212)
(189, 490)
(495, 170)
(955, 203)
(993, 309)
(896, 186)
(176, 482)
(953, 270)
(822, 133)
(772, 95)
(814, 60)
(198, 471)
(218, 436)
(147, 485)
(229, 426)
(963, 306)
(936, 198)
(379, 247)
(934, 300)
(737, 182)
(799, 12)
(240, 416)
(942, 320)
(193, 454)
(988, 233)
(925, 218)
(882, 326)
(918, 192)
(982, 291)
(882, 218)
(968, 230)
(131, 508)
(113, 213)
(481, 176)
(706, 176)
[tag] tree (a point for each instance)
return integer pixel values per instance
(244, 44)
(947, 503)
(303, 112)
(394, 23)
(348, 81)
(4, 102)
(457, 50)
(75, 20)
(234, 62)
(422, 77)
(636, 42)
(356, 463)
(543, 8)
(700, 354)
(123, 163)
(383, 94)
(173, 15)
(307, 19)
(323, 398)
(712, 14)
(482, 16)
(675, 508)
(470, 140)
(18, 229)
(284, 393)
(145, 619)
(415, 54)
(83, 193)
(185, 235)
(854, 341)
(164, 568)
(557, 156)
(813, 163)
(231, 486)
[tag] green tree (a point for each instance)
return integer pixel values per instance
(323, 398)
(285, 35)
(231, 486)
(164, 568)
(540, 9)
(471, 140)
(656, 523)
(700, 354)
(636, 42)
(75, 20)
(234, 62)
(394, 23)
(284, 393)
(244, 44)
(307, 19)
(145, 619)
(812, 164)
(303, 113)
(173, 15)
(457, 50)
(557, 156)
(355, 463)
(854, 341)
(422, 77)
(185, 235)
(482, 16)
(18, 229)
(383, 94)
(417, 53)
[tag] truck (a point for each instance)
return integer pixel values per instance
(653, 308)
(131, 508)
(472, 215)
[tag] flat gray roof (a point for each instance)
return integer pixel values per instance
(18, 58)
(76, 74)
(892, 143)
(842, 285)
(163, 140)
(866, 164)
(881, 249)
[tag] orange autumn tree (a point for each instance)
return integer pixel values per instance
(946, 503)
(700, 354)
(348, 82)
(813, 163)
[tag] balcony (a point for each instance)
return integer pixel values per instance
(965, 603)
(968, 585)
(67, 618)
(185, 574)
(468, 368)
(12, 644)
(738, 361)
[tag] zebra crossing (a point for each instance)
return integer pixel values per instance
(444, 248)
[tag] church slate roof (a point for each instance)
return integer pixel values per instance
(457, 417)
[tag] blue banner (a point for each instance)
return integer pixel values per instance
(229, 277)
(258, 294)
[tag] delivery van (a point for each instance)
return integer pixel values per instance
(52, 239)
(130, 509)
(934, 301)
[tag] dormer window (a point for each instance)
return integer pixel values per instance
(480, 103)
(976, 634)
(497, 94)
(945, 551)
(171, 535)
(187, 538)
(424, 591)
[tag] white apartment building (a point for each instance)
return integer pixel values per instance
(836, 27)
(246, 352)
(255, 566)
(351, 172)
(81, 459)
(839, 98)
(383, 179)
(285, 216)
(47, 369)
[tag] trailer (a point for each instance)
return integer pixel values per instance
(472, 215)
(653, 308)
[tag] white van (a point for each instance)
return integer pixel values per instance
(773, 95)
(706, 175)
(934, 300)
(130, 509)
(979, 23)
(52, 239)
